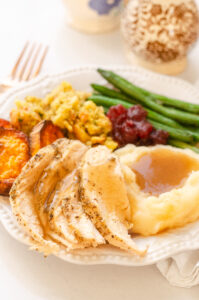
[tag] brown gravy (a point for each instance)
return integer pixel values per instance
(162, 170)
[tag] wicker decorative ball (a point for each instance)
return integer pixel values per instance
(159, 33)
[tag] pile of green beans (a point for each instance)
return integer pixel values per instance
(177, 117)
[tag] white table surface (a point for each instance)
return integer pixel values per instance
(27, 275)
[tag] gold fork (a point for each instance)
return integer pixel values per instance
(27, 66)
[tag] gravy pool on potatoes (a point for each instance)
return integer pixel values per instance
(162, 170)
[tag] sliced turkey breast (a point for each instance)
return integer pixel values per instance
(104, 197)
(33, 191)
(83, 228)
(46, 193)
(66, 217)
(23, 201)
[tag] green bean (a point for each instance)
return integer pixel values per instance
(153, 115)
(106, 101)
(182, 145)
(186, 106)
(190, 107)
(182, 134)
(106, 109)
(175, 133)
(105, 91)
(129, 89)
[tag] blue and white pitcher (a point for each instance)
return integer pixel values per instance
(93, 16)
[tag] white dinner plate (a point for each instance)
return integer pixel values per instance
(160, 246)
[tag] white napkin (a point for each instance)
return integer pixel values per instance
(182, 269)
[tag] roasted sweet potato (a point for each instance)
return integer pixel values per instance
(43, 134)
(14, 153)
(5, 123)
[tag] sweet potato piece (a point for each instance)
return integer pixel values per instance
(43, 134)
(5, 123)
(14, 153)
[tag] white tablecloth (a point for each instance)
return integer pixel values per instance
(27, 275)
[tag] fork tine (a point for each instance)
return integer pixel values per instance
(13, 72)
(40, 62)
(20, 75)
(27, 77)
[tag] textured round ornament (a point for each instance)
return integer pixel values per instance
(159, 33)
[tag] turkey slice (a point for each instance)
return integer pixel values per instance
(23, 201)
(83, 228)
(47, 200)
(104, 197)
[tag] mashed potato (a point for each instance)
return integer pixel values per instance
(164, 197)
(66, 108)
